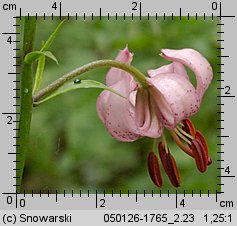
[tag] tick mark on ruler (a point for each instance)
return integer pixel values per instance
(176, 199)
(11, 33)
(226, 96)
(56, 196)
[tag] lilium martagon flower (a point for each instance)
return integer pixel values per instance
(167, 102)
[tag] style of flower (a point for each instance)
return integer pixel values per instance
(167, 102)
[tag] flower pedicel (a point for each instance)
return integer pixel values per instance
(167, 102)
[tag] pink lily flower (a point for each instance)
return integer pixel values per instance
(168, 102)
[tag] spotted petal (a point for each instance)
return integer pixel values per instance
(196, 62)
(117, 113)
(175, 98)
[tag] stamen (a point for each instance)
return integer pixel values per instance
(189, 127)
(165, 143)
(182, 136)
(154, 145)
(186, 149)
(185, 133)
(154, 170)
(200, 155)
(169, 165)
(199, 136)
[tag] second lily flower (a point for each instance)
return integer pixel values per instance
(167, 102)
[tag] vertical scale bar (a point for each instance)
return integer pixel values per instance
(219, 115)
(220, 97)
(17, 94)
(26, 99)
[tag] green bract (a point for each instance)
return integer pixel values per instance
(81, 84)
(35, 55)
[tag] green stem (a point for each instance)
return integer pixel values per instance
(26, 101)
(96, 64)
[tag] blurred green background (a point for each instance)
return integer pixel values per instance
(69, 146)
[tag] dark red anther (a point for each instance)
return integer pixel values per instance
(199, 136)
(189, 127)
(200, 155)
(169, 165)
(154, 170)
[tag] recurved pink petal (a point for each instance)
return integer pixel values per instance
(146, 121)
(175, 98)
(114, 75)
(196, 62)
(174, 67)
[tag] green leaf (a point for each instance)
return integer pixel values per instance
(32, 56)
(39, 73)
(51, 56)
(79, 84)
(35, 55)
(51, 37)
